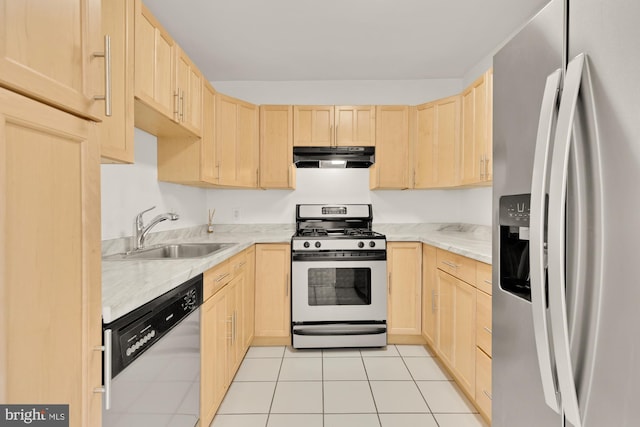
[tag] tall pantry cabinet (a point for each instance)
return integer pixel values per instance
(50, 329)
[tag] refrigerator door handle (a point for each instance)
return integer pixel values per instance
(537, 222)
(577, 76)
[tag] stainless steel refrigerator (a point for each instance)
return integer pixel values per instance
(566, 218)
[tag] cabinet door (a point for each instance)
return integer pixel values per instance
(46, 52)
(51, 160)
(355, 125)
(483, 383)
(116, 132)
(276, 146)
(392, 148)
(404, 268)
(425, 160)
(474, 132)
(273, 267)
(234, 304)
(464, 333)
(226, 135)
(214, 378)
(247, 145)
(313, 125)
(488, 149)
(429, 295)
(483, 317)
(154, 64)
(189, 83)
(209, 154)
(447, 141)
(446, 292)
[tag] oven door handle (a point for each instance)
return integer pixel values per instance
(324, 330)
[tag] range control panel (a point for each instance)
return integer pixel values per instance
(515, 210)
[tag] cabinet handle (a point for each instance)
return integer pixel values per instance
(218, 172)
(331, 135)
(286, 286)
(482, 168)
(335, 138)
(433, 301)
(257, 177)
(222, 276)
(230, 323)
(488, 282)
(181, 105)
(389, 283)
(107, 75)
(486, 167)
(106, 369)
(486, 393)
(450, 264)
(233, 327)
(488, 330)
(176, 108)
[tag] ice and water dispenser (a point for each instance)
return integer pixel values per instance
(514, 245)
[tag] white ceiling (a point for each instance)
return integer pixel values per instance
(340, 39)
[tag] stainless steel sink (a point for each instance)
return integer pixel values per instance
(172, 251)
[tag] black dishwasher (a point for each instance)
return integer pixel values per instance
(152, 376)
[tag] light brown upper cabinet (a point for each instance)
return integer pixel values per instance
(333, 126)
(436, 143)
(236, 141)
(276, 147)
(313, 125)
(154, 63)
(188, 162)
(168, 87)
(116, 131)
(46, 53)
(391, 170)
(355, 125)
(476, 147)
(189, 92)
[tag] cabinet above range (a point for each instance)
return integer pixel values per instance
(334, 126)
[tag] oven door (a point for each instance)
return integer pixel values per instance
(338, 290)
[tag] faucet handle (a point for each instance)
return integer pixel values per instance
(139, 216)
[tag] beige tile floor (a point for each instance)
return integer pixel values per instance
(396, 386)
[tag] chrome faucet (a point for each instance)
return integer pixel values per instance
(142, 230)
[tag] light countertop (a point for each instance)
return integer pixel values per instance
(126, 285)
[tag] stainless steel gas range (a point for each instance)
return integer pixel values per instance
(339, 272)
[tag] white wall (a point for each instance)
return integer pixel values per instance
(129, 189)
(336, 186)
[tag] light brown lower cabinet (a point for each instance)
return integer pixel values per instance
(50, 300)
(224, 318)
(457, 320)
(272, 295)
(404, 269)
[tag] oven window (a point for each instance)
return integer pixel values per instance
(339, 286)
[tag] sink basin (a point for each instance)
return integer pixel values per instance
(173, 251)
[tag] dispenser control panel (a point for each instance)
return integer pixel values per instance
(515, 210)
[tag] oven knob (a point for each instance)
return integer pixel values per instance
(372, 244)
(318, 244)
(361, 244)
(306, 244)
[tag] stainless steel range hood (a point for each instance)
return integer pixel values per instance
(333, 157)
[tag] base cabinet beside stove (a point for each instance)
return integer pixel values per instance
(272, 294)
(404, 271)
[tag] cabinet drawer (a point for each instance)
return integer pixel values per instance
(215, 278)
(483, 316)
(458, 266)
(483, 382)
(483, 277)
(237, 264)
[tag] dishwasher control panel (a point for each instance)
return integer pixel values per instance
(139, 330)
